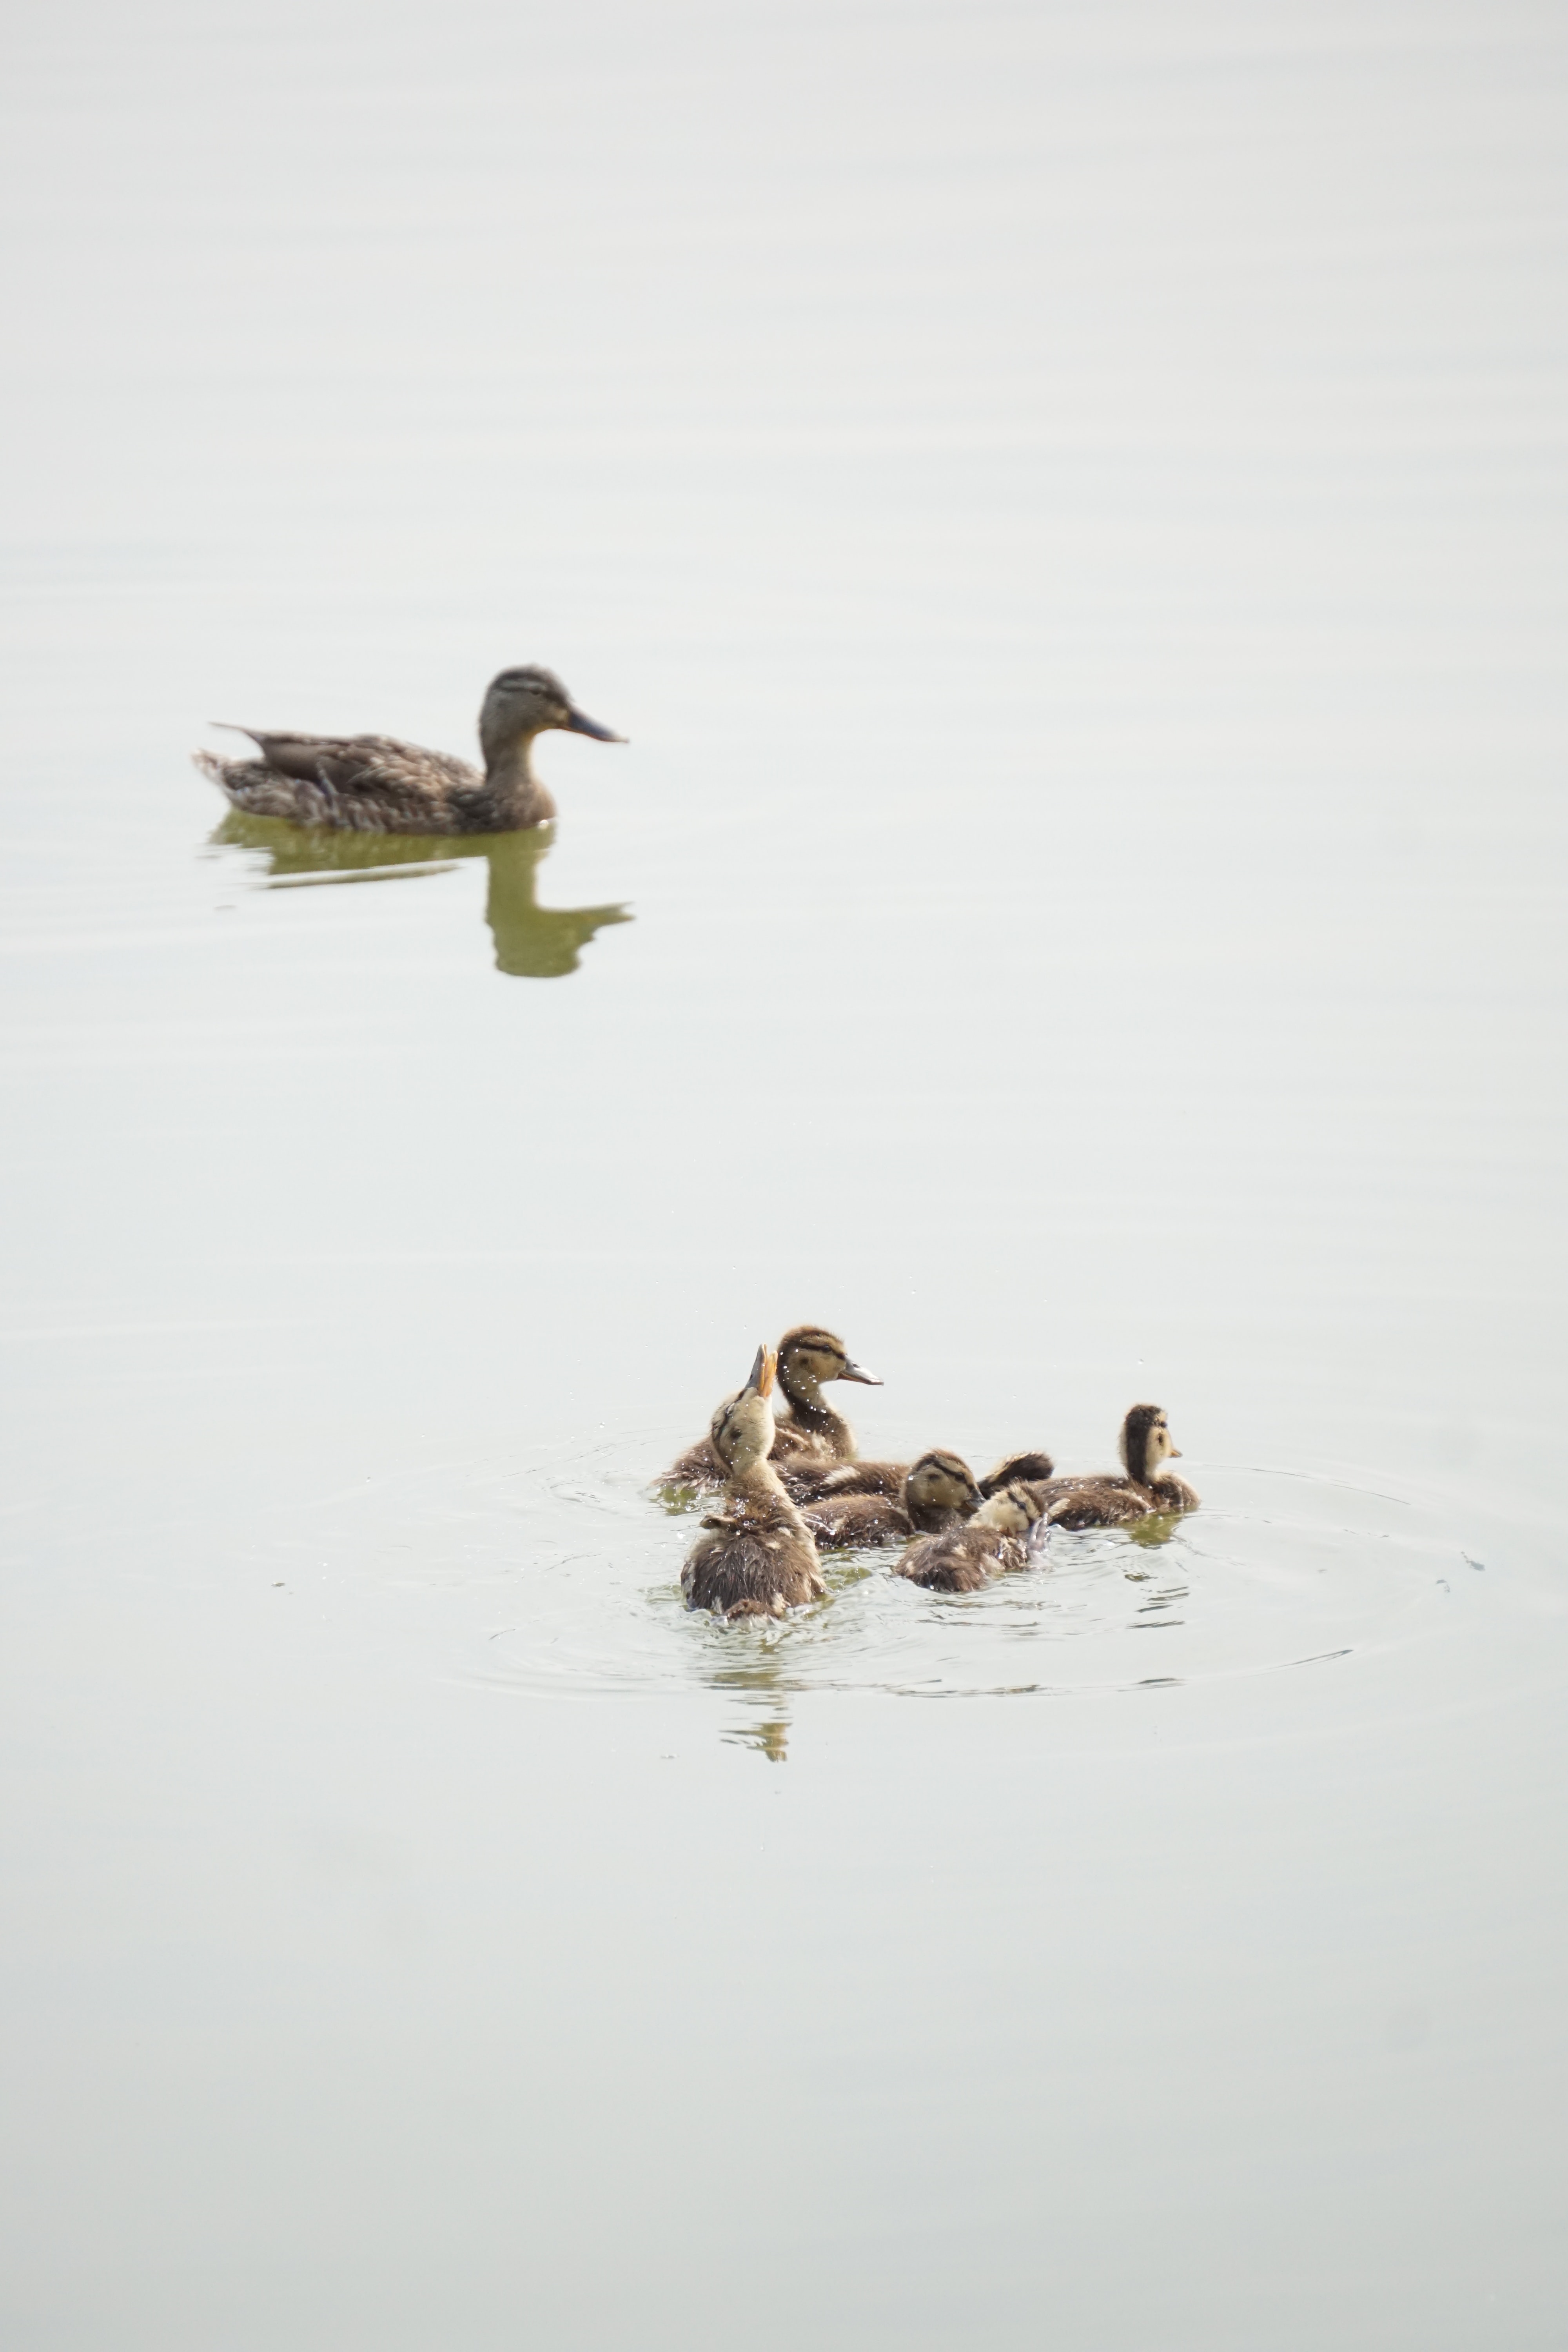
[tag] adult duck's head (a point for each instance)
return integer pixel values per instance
(809, 1355)
(521, 703)
(1145, 1444)
(742, 1426)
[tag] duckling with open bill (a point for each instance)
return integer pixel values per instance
(757, 1558)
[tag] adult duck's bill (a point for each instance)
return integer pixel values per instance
(577, 722)
(853, 1371)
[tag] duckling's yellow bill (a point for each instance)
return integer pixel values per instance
(858, 1372)
(579, 723)
(764, 1365)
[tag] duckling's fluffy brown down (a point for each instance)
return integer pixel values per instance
(812, 1481)
(963, 1559)
(753, 1563)
(700, 1466)
(817, 1478)
(861, 1519)
(1111, 1502)
(993, 1544)
(939, 1491)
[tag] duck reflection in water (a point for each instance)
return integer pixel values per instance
(755, 1674)
(532, 941)
(758, 1677)
(770, 1739)
(759, 1683)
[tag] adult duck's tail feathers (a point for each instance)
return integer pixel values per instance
(213, 768)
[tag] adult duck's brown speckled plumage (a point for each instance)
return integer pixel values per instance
(992, 1544)
(1147, 1489)
(811, 1431)
(757, 1559)
(940, 1491)
(370, 783)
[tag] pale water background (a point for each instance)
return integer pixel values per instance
(1068, 505)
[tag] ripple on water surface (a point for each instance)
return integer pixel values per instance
(1277, 1570)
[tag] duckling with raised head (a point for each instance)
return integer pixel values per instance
(757, 1559)
(372, 783)
(940, 1491)
(808, 1356)
(1147, 1489)
(992, 1544)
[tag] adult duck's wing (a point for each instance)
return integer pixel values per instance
(377, 765)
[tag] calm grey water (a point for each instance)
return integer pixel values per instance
(1068, 506)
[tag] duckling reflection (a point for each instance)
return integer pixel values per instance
(770, 1739)
(759, 1680)
(532, 941)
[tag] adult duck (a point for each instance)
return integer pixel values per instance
(757, 1559)
(372, 783)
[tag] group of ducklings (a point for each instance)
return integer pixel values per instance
(794, 1486)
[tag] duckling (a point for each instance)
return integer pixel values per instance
(1108, 1501)
(940, 1492)
(758, 1559)
(807, 1356)
(369, 783)
(818, 1481)
(963, 1559)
